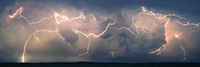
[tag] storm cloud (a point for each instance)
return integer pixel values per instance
(146, 33)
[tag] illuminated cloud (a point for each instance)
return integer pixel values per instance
(54, 32)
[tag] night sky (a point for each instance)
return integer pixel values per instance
(130, 31)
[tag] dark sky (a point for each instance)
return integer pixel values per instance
(181, 40)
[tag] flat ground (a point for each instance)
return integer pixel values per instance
(88, 64)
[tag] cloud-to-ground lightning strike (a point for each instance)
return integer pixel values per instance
(34, 35)
(55, 16)
(160, 16)
(19, 11)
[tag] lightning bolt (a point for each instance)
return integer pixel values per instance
(126, 28)
(92, 34)
(65, 18)
(163, 16)
(190, 24)
(158, 15)
(136, 28)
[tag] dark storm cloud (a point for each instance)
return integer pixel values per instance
(107, 35)
(136, 47)
(68, 34)
(5, 4)
(128, 47)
